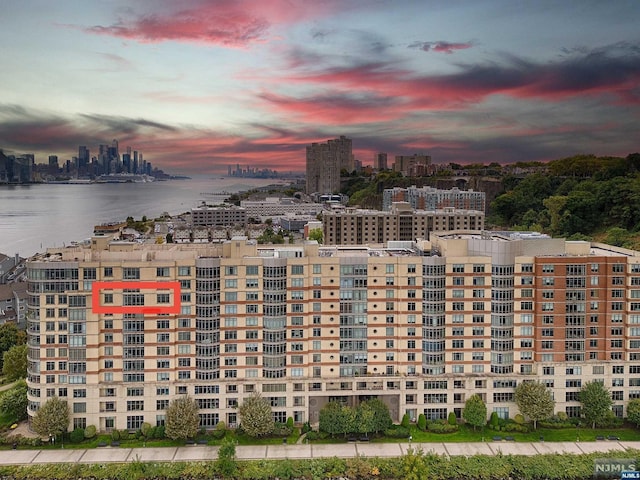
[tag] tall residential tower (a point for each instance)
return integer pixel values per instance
(324, 163)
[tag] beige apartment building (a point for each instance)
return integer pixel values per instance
(356, 226)
(120, 329)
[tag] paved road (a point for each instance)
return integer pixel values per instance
(192, 453)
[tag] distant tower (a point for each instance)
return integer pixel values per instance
(380, 161)
(53, 164)
(324, 163)
(84, 156)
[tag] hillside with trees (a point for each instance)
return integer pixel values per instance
(581, 197)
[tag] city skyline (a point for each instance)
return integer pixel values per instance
(466, 83)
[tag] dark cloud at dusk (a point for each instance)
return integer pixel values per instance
(441, 46)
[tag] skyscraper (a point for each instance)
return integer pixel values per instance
(380, 161)
(324, 163)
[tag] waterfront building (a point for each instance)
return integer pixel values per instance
(431, 198)
(119, 329)
(272, 207)
(208, 216)
(325, 161)
(354, 226)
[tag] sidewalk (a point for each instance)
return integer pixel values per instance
(273, 452)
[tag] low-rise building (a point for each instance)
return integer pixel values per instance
(209, 216)
(357, 226)
(430, 198)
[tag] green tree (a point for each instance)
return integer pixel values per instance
(316, 234)
(14, 365)
(52, 418)
(182, 419)
(596, 402)
(256, 416)
(475, 411)
(14, 402)
(9, 337)
(381, 415)
(534, 401)
(336, 419)
(633, 411)
(226, 462)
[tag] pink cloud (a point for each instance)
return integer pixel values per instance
(336, 109)
(228, 23)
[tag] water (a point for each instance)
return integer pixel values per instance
(36, 217)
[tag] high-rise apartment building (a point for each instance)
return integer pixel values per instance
(119, 330)
(431, 198)
(413, 165)
(401, 223)
(324, 163)
(380, 161)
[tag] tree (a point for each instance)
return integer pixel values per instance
(316, 234)
(255, 416)
(14, 402)
(14, 365)
(52, 418)
(226, 462)
(633, 411)
(336, 418)
(9, 336)
(182, 419)
(381, 415)
(596, 402)
(534, 401)
(475, 411)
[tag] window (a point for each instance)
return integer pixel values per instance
(131, 273)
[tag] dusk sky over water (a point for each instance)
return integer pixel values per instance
(197, 85)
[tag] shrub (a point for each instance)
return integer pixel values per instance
(451, 419)
(282, 430)
(610, 421)
(145, 429)
(306, 427)
(494, 420)
(515, 427)
(115, 435)
(405, 421)
(77, 435)
(519, 418)
(422, 422)
(159, 434)
(397, 432)
(90, 431)
(290, 423)
(220, 431)
(311, 435)
(562, 416)
(441, 427)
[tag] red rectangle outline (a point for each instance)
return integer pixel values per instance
(98, 286)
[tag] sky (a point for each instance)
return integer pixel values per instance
(196, 85)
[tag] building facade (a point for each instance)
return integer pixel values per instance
(413, 165)
(208, 216)
(324, 163)
(401, 223)
(122, 329)
(275, 207)
(430, 198)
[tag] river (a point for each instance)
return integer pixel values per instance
(36, 217)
